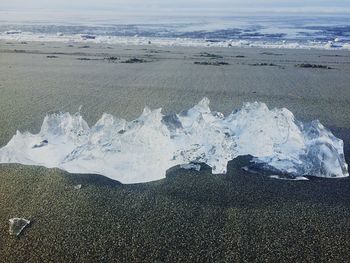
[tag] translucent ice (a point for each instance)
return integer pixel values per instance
(77, 187)
(143, 149)
(17, 225)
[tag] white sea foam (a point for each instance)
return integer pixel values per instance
(168, 41)
(143, 149)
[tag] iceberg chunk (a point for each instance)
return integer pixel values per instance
(77, 187)
(143, 149)
(17, 225)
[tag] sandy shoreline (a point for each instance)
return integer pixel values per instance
(33, 84)
(234, 217)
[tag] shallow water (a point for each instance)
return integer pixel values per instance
(324, 32)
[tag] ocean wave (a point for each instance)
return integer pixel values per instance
(170, 41)
(266, 32)
(143, 149)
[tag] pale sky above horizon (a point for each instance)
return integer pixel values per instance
(178, 6)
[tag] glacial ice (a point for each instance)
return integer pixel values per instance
(143, 149)
(78, 187)
(17, 225)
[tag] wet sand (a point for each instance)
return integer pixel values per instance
(189, 216)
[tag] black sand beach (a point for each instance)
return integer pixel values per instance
(189, 216)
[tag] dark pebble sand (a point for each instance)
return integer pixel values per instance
(189, 216)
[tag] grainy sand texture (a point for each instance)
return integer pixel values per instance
(189, 216)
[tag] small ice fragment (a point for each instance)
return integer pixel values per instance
(17, 225)
(41, 144)
(191, 166)
(77, 187)
(297, 178)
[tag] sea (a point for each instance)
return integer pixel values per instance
(272, 31)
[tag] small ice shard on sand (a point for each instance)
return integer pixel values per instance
(289, 178)
(191, 166)
(17, 225)
(77, 187)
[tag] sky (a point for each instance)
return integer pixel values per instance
(178, 7)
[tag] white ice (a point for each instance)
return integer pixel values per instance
(143, 149)
(17, 225)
